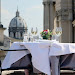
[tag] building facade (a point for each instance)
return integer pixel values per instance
(17, 27)
(60, 13)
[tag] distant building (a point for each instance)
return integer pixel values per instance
(1, 34)
(5, 42)
(17, 27)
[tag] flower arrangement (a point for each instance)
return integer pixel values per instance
(46, 34)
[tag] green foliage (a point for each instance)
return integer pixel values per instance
(46, 33)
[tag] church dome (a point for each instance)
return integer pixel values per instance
(17, 27)
(17, 21)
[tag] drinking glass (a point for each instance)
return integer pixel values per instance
(58, 32)
(25, 38)
(34, 32)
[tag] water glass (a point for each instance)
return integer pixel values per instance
(25, 38)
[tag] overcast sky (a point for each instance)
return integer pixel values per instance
(30, 10)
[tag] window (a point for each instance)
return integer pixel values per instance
(21, 34)
(14, 35)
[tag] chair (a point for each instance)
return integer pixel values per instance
(19, 64)
(0, 67)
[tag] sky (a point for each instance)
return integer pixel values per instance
(30, 10)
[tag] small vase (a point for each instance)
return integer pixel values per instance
(44, 37)
(47, 38)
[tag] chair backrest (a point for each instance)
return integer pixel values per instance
(0, 64)
(0, 67)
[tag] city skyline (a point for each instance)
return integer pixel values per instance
(30, 11)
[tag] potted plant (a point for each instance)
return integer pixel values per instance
(46, 34)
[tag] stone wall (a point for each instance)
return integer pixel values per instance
(1, 35)
(64, 19)
(59, 13)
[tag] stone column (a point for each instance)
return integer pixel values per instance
(19, 35)
(11, 34)
(16, 35)
(48, 15)
(52, 15)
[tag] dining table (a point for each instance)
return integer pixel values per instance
(44, 53)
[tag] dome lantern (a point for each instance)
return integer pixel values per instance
(17, 13)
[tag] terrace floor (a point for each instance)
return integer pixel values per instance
(21, 72)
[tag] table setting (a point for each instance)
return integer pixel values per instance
(37, 48)
(41, 51)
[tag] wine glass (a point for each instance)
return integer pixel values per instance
(34, 32)
(58, 32)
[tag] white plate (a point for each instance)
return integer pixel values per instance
(48, 41)
(44, 40)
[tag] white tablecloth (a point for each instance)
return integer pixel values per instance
(40, 55)
(61, 49)
(13, 56)
(40, 51)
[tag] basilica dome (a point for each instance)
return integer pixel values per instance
(17, 27)
(17, 21)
